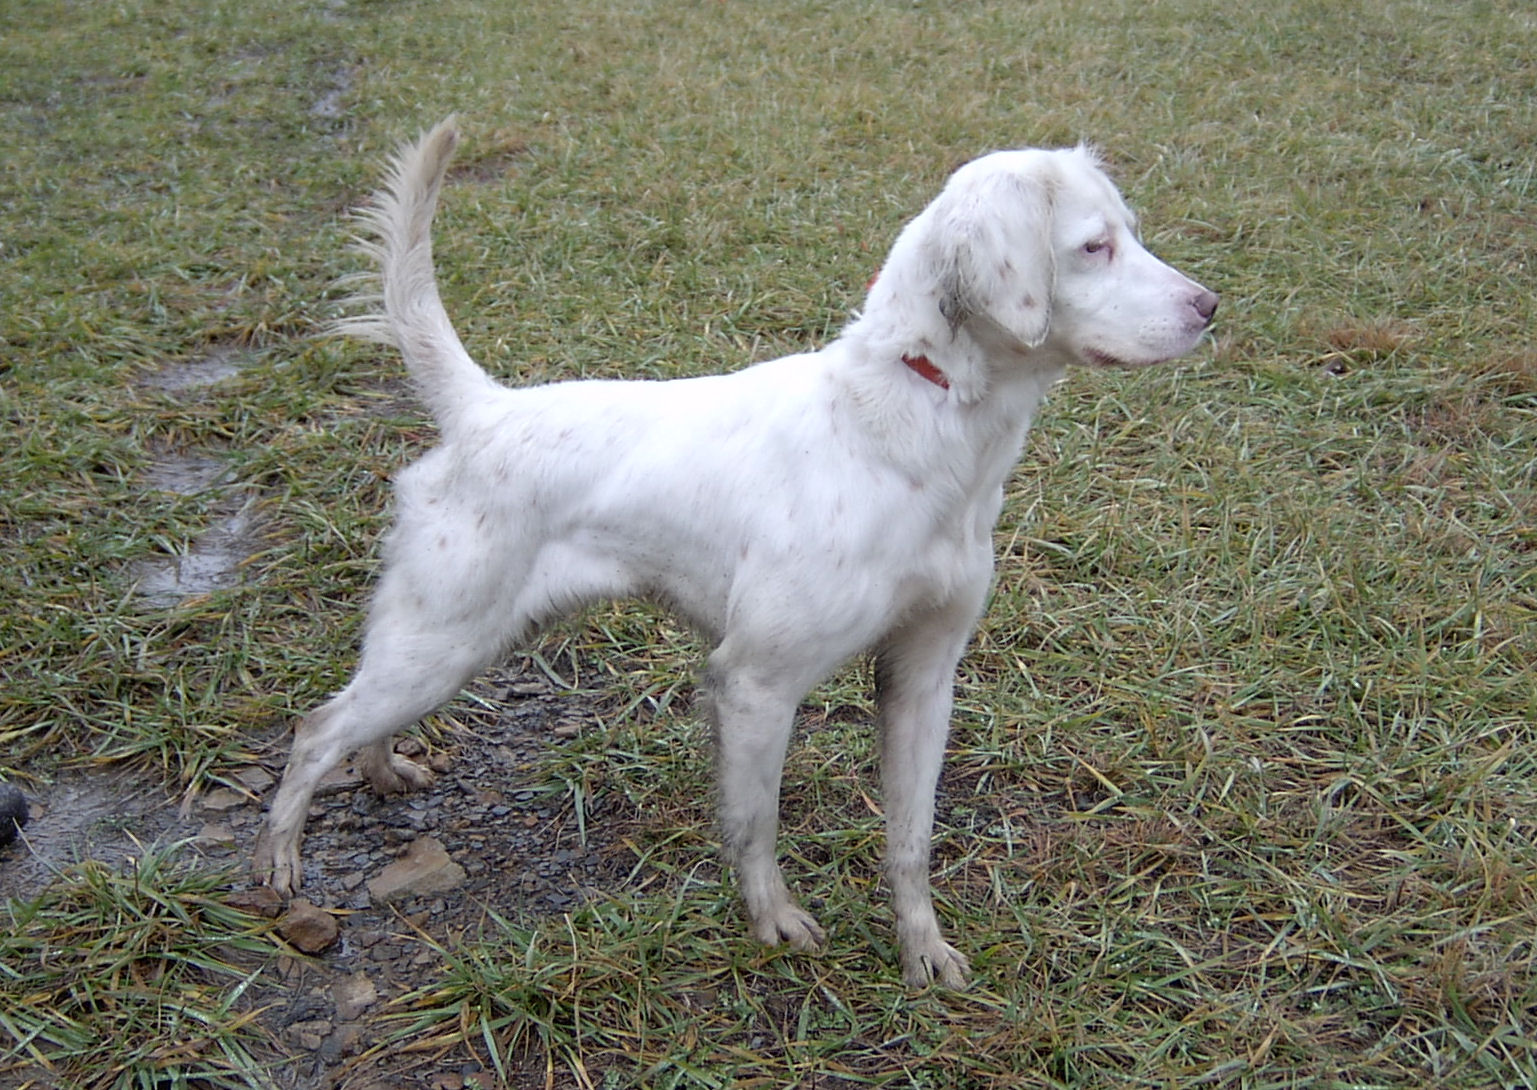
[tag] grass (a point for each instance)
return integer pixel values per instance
(1241, 790)
(133, 980)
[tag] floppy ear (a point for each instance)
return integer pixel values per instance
(996, 258)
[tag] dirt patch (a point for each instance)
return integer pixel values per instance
(522, 850)
(521, 847)
(219, 362)
(86, 813)
(185, 473)
(212, 562)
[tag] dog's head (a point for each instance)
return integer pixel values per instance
(1038, 250)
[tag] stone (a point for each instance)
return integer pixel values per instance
(309, 1035)
(353, 995)
(425, 868)
(345, 1040)
(13, 812)
(308, 928)
(258, 901)
(341, 778)
(255, 778)
(222, 798)
(216, 833)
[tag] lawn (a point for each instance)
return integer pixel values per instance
(1242, 789)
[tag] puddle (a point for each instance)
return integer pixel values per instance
(213, 563)
(106, 815)
(331, 105)
(185, 474)
(220, 362)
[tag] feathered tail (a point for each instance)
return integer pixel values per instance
(403, 307)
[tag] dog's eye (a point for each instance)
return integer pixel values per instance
(1099, 246)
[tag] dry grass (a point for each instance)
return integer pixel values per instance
(1241, 790)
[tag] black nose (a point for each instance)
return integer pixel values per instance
(1205, 304)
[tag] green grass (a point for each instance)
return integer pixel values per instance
(132, 980)
(1241, 791)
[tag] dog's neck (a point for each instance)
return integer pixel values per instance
(951, 408)
(924, 367)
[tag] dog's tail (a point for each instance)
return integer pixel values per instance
(403, 307)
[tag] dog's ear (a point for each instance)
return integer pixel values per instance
(996, 258)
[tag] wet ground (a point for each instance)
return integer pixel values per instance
(517, 842)
(514, 845)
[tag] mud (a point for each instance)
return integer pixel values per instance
(524, 852)
(214, 560)
(186, 473)
(218, 363)
(523, 848)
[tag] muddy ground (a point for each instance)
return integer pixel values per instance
(513, 845)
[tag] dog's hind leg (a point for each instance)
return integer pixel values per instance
(400, 679)
(388, 773)
(437, 620)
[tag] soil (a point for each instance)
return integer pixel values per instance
(516, 846)
(517, 842)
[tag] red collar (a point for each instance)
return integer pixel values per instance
(921, 366)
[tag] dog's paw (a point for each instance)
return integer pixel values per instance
(937, 962)
(277, 868)
(789, 925)
(388, 773)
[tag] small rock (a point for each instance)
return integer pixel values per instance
(344, 1041)
(255, 779)
(425, 868)
(308, 928)
(353, 995)
(258, 901)
(222, 798)
(309, 1035)
(216, 833)
(341, 778)
(13, 812)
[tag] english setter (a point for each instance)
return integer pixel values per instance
(798, 512)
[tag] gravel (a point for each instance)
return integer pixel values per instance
(515, 840)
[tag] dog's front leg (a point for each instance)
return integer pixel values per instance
(915, 679)
(752, 718)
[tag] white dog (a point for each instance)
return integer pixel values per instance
(798, 512)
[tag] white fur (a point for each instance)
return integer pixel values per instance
(799, 512)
